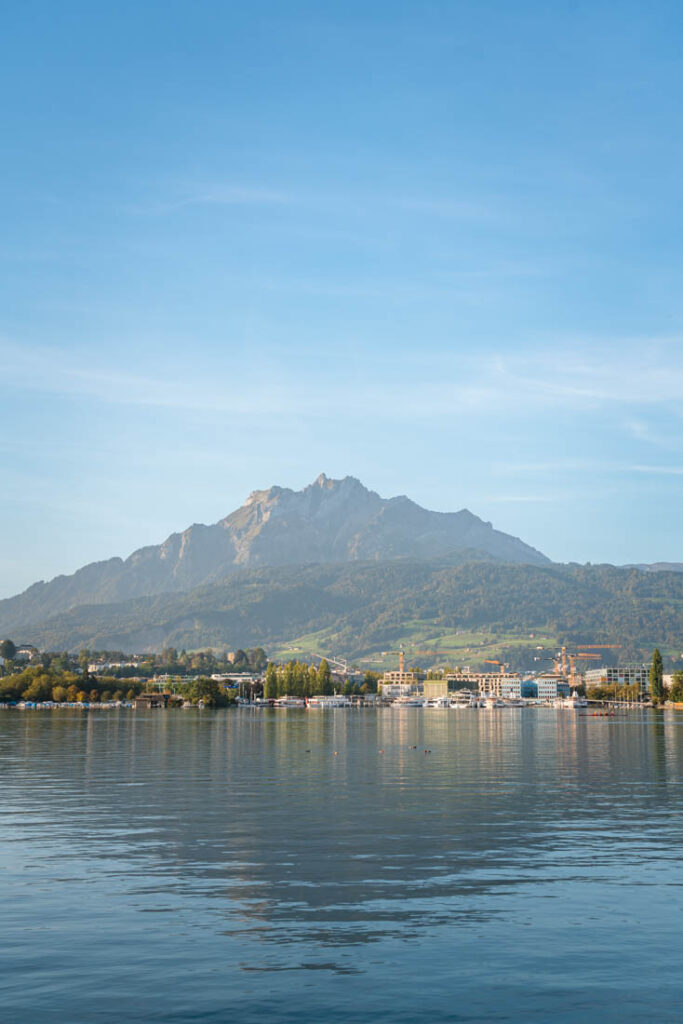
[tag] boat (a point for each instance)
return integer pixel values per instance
(493, 702)
(440, 703)
(290, 702)
(572, 703)
(408, 702)
(338, 700)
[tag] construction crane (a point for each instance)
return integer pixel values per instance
(503, 664)
(601, 647)
(573, 658)
(561, 659)
(434, 654)
(401, 659)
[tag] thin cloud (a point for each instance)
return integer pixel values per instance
(491, 386)
(658, 470)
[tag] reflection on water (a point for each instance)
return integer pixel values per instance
(340, 865)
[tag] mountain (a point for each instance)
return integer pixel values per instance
(470, 611)
(330, 521)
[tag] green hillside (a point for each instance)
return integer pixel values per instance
(358, 610)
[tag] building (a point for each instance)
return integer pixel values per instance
(393, 690)
(409, 678)
(619, 675)
(145, 701)
(484, 682)
(550, 686)
(26, 652)
(435, 688)
(506, 686)
(399, 684)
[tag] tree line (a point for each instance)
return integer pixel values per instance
(299, 679)
(38, 684)
(169, 661)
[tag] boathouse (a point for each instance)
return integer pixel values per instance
(150, 700)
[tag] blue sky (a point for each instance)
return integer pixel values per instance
(434, 245)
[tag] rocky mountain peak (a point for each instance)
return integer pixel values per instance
(329, 521)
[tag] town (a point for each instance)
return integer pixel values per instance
(108, 679)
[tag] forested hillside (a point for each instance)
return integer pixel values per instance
(364, 607)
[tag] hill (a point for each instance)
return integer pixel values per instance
(330, 521)
(359, 609)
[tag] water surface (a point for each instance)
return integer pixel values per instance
(285, 865)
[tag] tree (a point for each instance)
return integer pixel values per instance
(324, 678)
(370, 680)
(210, 693)
(270, 688)
(676, 691)
(258, 659)
(656, 676)
(7, 650)
(59, 694)
(39, 689)
(288, 680)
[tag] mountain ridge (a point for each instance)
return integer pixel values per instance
(329, 521)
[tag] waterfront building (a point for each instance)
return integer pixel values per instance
(619, 675)
(145, 701)
(392, 690)
(551, 686)
(399, 684)
(501, 685)
(407, 678)
(433, 688)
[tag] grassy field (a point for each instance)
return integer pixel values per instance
(424, 647)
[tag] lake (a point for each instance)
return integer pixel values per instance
(291, 865)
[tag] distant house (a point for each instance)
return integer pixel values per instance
(26, 652)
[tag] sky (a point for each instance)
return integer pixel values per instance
(434, 245)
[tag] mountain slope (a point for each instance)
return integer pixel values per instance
(330, 521)
(369, 606)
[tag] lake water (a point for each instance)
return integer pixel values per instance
(277, 866)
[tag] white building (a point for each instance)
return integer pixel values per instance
(550, 687)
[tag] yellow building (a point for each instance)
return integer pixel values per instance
(435, 688)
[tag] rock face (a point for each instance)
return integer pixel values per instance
(329, 521)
